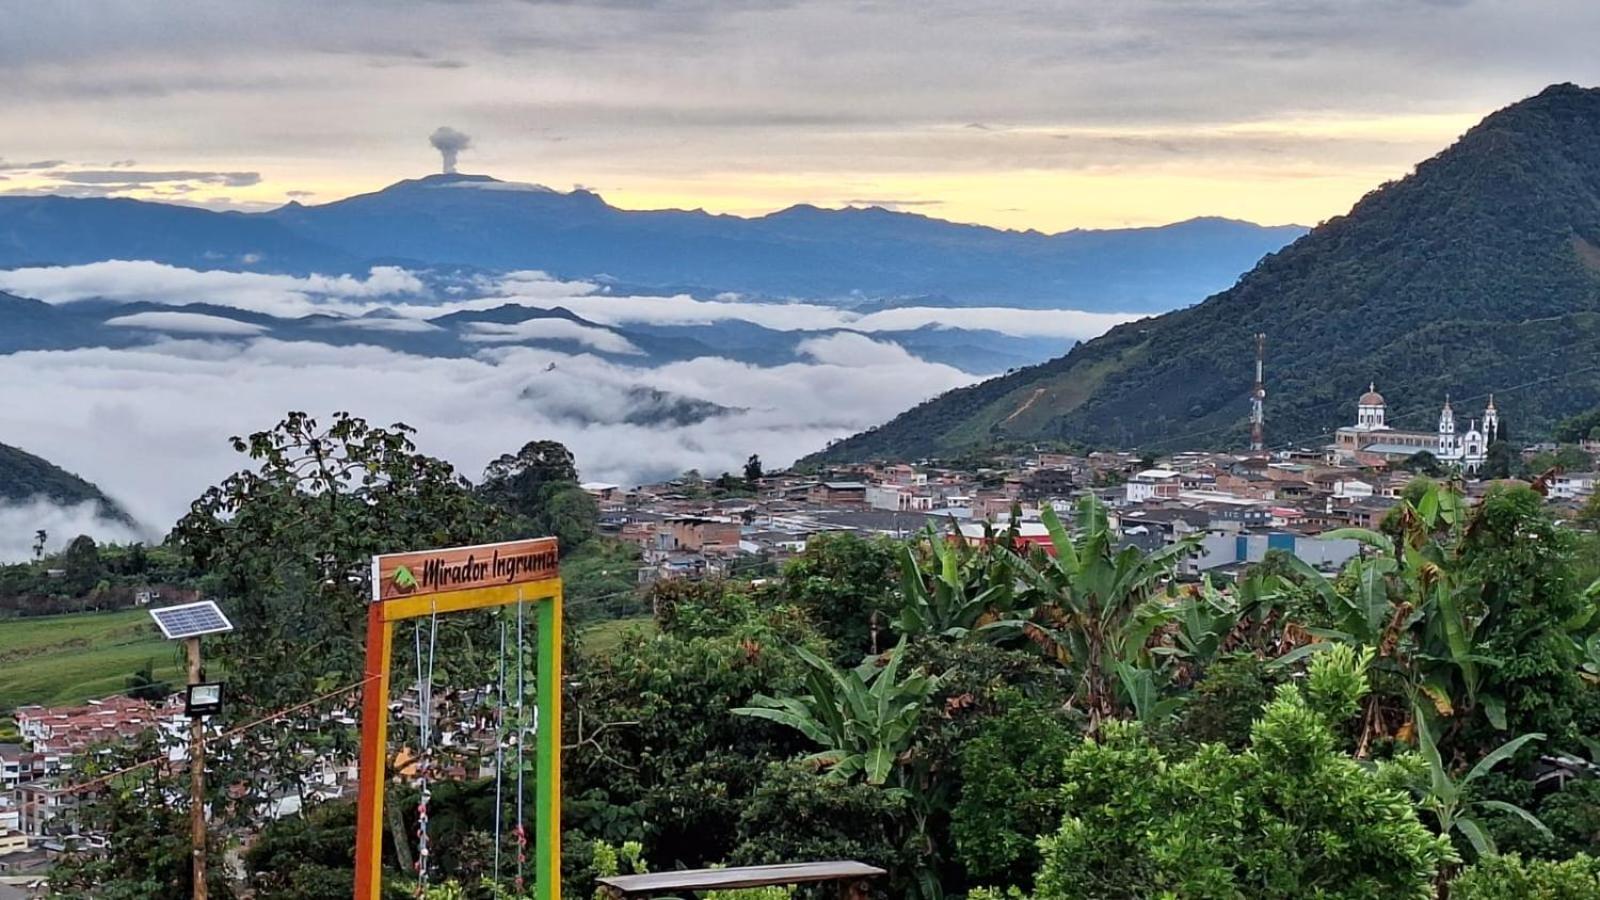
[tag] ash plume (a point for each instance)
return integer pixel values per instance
(449, 142)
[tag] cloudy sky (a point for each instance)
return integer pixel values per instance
(1049, 115)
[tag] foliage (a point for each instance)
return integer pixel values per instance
(794, 815)
(1291, 816)
(538, 485)
(1096, 607)
(864, 719)
(1449, 799)
(144, 816)
(1512, 878)
(962, 590)
(289, 544)
(846, 585)
(1010, 790)
(1225, 702)
(656, 755)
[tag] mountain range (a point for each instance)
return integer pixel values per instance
(477, 222)
(1477, 273)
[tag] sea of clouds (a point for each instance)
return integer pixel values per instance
(150, 424)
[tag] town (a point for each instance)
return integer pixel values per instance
(1236, 507)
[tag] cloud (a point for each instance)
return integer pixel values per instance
(129, 178)
(292, 296)
(8, 166)
(19, 522)
(130, 281)
(551, 329)
(188, 323)
(172, 405)
(894, 204)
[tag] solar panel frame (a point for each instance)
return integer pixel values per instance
(187, 620)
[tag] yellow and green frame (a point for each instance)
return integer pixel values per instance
(382, 614)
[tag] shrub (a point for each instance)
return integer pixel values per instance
(1511, 878)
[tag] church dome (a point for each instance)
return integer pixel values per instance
(1371, 397)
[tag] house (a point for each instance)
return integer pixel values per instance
(838, 493)
(1572, 485)
(1151, 484)
(895, 497)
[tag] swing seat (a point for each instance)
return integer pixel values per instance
(852, 877)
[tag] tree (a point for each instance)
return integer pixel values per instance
(144, 817)
(1424, 463)
(1010, 790)
(82, 563)
(1291, 816)
(1572, 458)
(288, 545)
(846, 585)
(752, 470)
(143, 684)
(1500, 460)
(1503, 877)
(517, 482)
(39, 538)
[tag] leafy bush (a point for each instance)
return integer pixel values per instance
(1010, 791)
(1511, 878)
(1289, 817)
(1225, 702)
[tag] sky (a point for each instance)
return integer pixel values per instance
(1030, 114)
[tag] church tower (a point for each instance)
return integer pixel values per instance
(1448, 448)
(1491, 422)
(1370, 409)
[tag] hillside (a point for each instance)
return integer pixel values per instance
(477, 222)
(1477, 273)
(24, 476)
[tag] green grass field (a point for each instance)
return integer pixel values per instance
(605, 635)
(57, 660)
(68, 659)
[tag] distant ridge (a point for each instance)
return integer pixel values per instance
(1480, 272)
(475, 221)
(25, 477)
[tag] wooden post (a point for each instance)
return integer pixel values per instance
(197, 780)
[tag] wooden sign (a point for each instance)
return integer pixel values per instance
(421, 573)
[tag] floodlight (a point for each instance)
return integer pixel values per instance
(203, 699)
(191, 620)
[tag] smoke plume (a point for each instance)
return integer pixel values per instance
(449, 142)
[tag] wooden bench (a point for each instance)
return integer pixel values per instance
(852, 878)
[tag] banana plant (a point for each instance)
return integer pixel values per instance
(1447, 797)
(1411, 599)
(968, 591)
(864, 719)
(1095, 606)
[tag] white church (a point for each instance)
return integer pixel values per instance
(1371, 441)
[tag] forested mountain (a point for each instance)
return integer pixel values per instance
(24, 477)
(475, 221)
(1477, 273)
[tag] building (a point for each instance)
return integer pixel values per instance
(836, 493)
(1372, 441)
(1153, 483)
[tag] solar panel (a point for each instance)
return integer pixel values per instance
(191, 620)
